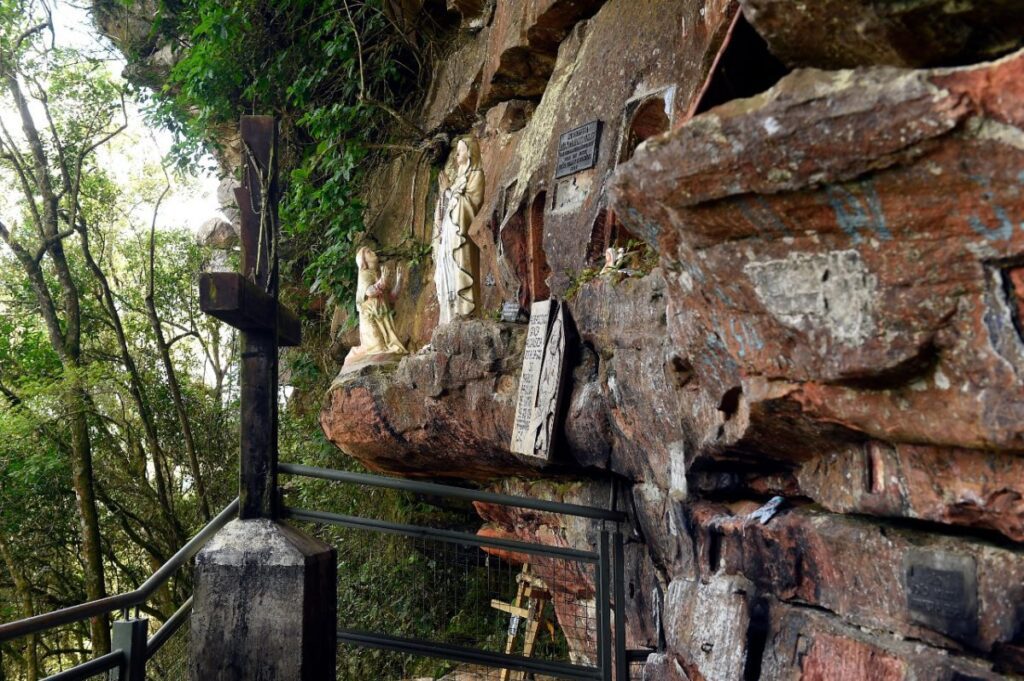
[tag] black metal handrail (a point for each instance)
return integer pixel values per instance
(449, 536)
(611, 661)
(419, 487)
(469, 655)
(97, 665)
(102, 606)
(169, 628)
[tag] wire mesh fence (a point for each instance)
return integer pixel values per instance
(480, 597)
(432, 587)
(636, 669)
(170, 662)
(404, 667)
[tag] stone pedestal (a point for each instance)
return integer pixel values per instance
(265, 606)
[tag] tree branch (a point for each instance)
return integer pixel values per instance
(38, 28)
(363, 97)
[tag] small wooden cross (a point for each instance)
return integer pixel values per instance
(248, 301)
(536, 595)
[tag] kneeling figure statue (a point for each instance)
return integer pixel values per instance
(378, 342)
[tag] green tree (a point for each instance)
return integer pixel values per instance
(336, 74)
(48, 172)
(116, 396)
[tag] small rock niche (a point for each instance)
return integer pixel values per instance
(644, 117)
(522, 246)
(539, 271)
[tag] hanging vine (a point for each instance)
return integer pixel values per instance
(336, 76)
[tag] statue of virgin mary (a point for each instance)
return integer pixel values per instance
(456, 257)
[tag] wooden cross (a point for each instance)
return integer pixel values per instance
(248, 302)
(534, 592)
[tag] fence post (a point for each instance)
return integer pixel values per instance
(619, 559)
(129, 636)
(604, 604)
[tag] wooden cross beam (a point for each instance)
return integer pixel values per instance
(248, 301)
(234, 300)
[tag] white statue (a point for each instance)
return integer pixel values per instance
(614, 260)
(378, 341)
(456, 257)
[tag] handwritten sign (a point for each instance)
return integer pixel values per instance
(533, 359)
(577, 149)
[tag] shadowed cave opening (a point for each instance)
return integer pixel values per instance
(745, 68)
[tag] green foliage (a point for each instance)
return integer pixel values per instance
(64, 189)
(577, 280)
(38, 518)
(639, 259)
(641, 256)
(320, 66)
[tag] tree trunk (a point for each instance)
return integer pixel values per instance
(136, 390)
(65, 335)
(82, 480)
(23, 590)
(179, 407)
(172, 376)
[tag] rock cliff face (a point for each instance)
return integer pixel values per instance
(835, 318)
(825, 303)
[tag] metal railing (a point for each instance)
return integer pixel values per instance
(557, 610)
(131, 649)
(571, 591)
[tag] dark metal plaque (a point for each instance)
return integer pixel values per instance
(936, 592)
(942, 592)
(577, 149)
(510, 312)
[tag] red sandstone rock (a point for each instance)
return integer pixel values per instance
(588, 83)
(813, 646)
(444, 412)
(511, 116)
(665, 667)
(846, 33)
(524, 39)
(1015, 282)
(858, 570)
(569, 577)
(841, 265)
(831, 658)
(953, 486)
(622, 411)
(663, 524)
(833, 250)
(455, 89)
(644, 596)
(448, 411)
(706, 623)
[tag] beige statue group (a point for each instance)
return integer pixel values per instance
(456, 264)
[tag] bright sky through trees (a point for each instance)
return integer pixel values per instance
(136, 154)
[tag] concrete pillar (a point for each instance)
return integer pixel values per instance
(265, 606)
